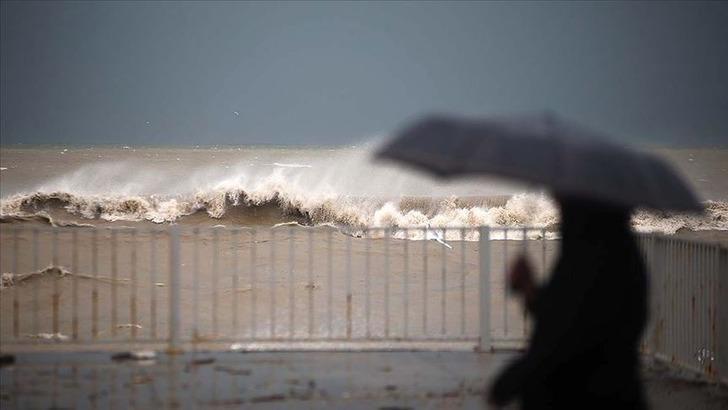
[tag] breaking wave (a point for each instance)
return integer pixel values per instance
(278, 205)
(315, 187)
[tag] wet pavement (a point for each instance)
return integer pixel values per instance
(293, 380)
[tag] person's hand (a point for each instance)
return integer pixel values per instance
(520, 278)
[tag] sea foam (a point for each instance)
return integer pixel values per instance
(346, 191)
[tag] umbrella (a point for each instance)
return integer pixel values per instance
(546, 150)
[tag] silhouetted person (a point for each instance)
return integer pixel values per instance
(589, 318)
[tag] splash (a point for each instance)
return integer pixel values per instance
(345, 191)
(274, 205)
(715, 218)
(10, 279)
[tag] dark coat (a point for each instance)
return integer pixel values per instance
(589, 318)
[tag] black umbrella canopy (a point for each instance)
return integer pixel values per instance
(562, 156)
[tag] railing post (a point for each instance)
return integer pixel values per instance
(656, 293)
(484, 255)
(650, 259)
(721, 353)
(174, 292)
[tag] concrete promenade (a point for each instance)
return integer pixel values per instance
(291, 380)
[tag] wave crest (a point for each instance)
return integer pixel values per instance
(273, 203)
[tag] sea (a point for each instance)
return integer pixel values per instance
(341, 186)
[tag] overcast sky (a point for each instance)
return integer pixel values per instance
(331, 73)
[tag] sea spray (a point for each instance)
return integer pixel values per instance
(274, 205)
(344, 189)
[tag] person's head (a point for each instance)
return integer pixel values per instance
(588, 218)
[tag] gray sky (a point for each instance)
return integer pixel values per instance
(330, 73)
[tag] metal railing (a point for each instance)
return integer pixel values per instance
(85, 285)
(689, 304)
(174, 285)
(302, 287)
